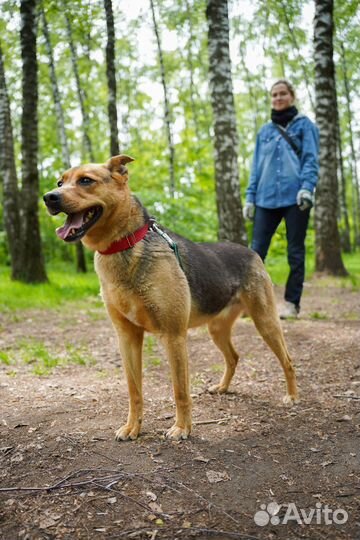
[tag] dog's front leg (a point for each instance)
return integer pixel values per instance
(130, 344)
(178, 357)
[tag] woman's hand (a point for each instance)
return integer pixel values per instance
(304, 199)
(249, 211)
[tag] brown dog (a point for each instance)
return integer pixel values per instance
(163, 283)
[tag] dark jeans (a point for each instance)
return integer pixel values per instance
(265, 224)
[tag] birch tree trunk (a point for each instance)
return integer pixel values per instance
(229, 208)
(166, 106)
(191, 72)
(111, 79)
(60, 124)
(345, 241)
(253, 99)
(353, 161)
(80, 92)
(32, 267)
(9, 178)
(328, 255)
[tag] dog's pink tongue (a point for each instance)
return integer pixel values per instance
(74, 221)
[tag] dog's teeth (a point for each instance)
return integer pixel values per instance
(89, 216)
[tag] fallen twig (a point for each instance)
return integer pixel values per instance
(197, 530)
(107, 481)
(62, 485)
(127, 497)
(209, 503)
(216, 421)
(345, 396)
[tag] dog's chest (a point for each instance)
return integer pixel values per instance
(126, 297)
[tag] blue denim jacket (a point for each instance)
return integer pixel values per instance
(277, 172)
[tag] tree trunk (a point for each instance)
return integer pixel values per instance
(353, 161)
(345, 241)
(60, 123)
(166, 105)
(328, 253)
(80, 91)
(111, 79)
(252, 97)
(33, 268)
(9, 178)
(190, 43)
(229, 208)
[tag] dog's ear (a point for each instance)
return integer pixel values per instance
(117, 163)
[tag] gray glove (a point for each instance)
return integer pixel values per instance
(304, 199)
(249, 211)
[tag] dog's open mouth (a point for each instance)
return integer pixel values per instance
(78, 224)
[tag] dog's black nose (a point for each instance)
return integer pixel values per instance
(52, 198)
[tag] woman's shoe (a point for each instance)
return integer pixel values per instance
(288, 310)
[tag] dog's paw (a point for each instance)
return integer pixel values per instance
(177, 433)
(289, 401)
(218, 389)
(127, 433)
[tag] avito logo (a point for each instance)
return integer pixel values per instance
(321, 514)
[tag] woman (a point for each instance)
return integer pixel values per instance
(283, 177)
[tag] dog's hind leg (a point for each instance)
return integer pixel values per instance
(130, 339)
(261, 306)
(220, 331)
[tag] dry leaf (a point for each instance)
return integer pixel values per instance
(155, 507)
(151, 495)
(216, 476)
(201, 459)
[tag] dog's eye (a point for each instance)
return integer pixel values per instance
(85, 181)
(60, 183)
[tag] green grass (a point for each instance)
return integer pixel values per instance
(64, 285)
(217, 368)
(278, 269)
(318, 315)
(150, 357)
(43, 361)
(5, 358)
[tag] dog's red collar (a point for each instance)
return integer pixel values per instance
(127, 242)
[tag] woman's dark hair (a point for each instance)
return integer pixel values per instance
(287, 84)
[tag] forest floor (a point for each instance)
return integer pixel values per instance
(247, 450)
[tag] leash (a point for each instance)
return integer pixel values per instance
(129, 241)
(173, 245)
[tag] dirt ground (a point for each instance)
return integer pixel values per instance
(247, 450)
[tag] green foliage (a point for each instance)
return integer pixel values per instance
(268, 40)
